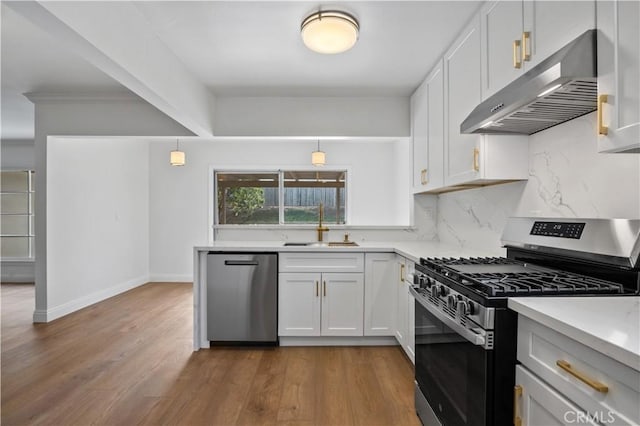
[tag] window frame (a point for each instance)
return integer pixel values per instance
(213, 199)
(29, 215)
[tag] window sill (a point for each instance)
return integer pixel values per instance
(314, 226)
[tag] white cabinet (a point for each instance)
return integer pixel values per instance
(319, 303)
(618, 76)
(380, 293)
(602, 387)
(471, 159)
(538, 404)
(427, 115)
(517, 35)
(401, 302)
(404, 311)
(299, 304)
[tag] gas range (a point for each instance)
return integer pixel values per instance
(465, 334)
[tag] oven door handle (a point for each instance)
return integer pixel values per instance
(473, 337)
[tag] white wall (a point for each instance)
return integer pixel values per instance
(567, 178)
(312, 116)
(97, 220)
(179, 196)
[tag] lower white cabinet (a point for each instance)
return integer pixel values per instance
(401, 302)
(320, 304)
(596, 384)
(410, 346)
(380, 293)
(538, 404)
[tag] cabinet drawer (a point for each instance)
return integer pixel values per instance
(541, 349)
(321, 262)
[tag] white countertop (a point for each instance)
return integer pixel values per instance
(412, 250)
(610, 325)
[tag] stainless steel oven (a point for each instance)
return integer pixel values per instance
(465, 336)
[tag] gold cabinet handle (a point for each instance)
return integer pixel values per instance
(582, 377)
(602, 129)
(324, 288)
(526, 46)
(476, 159)
(517, 393)
(401, 273)
(423, 177)
(317, 293)
(517, 63)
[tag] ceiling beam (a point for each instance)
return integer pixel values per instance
(117, 39)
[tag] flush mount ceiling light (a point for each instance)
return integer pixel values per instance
(330, 31)
(318, 157)
(177, 156)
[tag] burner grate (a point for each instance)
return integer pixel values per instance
(527, 281)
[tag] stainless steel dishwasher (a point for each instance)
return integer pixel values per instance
(242, 298)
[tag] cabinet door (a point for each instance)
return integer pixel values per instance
(434, 175)
(419, 134)
(342, 304)
(553, 24)
(379, 294)
(401, 302)
(501, 27)
(299, 304)
(462, 94)
(618, 71)
(541, 405)
(410, 348)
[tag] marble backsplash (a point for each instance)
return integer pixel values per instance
(567, 178)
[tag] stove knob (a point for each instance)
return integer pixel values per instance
(434, 291)
(466, 307)
(472, 308)
(442, 291)
(452, 301)
(417, 280)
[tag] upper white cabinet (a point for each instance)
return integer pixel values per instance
(427, 114)
(618, 76)
(517, 35)
(471, 159)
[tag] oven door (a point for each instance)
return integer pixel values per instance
(451, 368)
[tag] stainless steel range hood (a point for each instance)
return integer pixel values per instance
(559, 89)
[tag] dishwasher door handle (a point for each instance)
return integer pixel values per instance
(241, 263)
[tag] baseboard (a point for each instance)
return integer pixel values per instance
(41, 315)
(338, 341)
(171, 278)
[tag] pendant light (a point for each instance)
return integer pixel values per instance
(177, 157)
(318, 157)
(329, 31)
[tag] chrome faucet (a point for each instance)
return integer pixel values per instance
(321, 228)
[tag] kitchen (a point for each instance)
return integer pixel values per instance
(564, 175)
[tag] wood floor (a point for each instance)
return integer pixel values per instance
(129, 361)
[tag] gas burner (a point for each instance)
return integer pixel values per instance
(502, 277)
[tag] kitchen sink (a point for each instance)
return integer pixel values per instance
(322, 244)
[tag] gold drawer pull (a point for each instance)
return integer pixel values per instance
(401, 273)
(517, 63)
(526, 41)
(517, 393)
(602, 129)
(476, 159)
(582, 377)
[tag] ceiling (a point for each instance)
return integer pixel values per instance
(243, 48)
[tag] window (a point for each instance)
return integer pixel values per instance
(16, 209)
(283, 197)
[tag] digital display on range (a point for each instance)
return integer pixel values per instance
(558, 229)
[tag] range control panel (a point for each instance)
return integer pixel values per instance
(558, 229)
